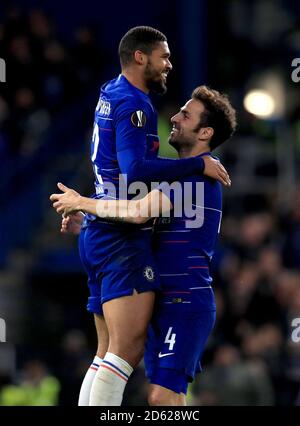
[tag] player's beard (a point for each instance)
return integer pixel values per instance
(181, 142)
(154, 80)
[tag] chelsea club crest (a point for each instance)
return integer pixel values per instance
(149, 273)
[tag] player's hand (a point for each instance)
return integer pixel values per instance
(71, 224)
(214, 169)
(67, 202)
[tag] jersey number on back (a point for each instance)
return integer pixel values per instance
(95, 140)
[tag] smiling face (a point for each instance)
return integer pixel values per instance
(157, 68)
(186, 125)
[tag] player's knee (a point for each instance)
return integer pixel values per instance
(162, 397)
(136, 354)
(133, 356)
(131, 350)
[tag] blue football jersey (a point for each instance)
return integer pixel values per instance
(125, 119)
(184, 245)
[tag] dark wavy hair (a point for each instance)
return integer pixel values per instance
(218, 114)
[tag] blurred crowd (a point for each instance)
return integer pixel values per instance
(44, 74)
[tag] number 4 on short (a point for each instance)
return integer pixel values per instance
(170, 338)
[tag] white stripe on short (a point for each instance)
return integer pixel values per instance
(208, 208)
(199, 288)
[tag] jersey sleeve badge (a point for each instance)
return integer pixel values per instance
(138, 119)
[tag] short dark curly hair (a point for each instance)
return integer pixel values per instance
(218, 114)
(138, 38)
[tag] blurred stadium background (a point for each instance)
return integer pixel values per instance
(57, 55)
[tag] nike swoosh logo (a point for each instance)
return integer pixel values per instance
(160, 355)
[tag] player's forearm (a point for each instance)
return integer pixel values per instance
(116, 210)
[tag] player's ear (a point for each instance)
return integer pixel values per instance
(140, 57)
(206, 133)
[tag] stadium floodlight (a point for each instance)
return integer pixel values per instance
(266, 98)
(260, 103)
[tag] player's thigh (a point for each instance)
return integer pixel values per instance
(127, 317)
